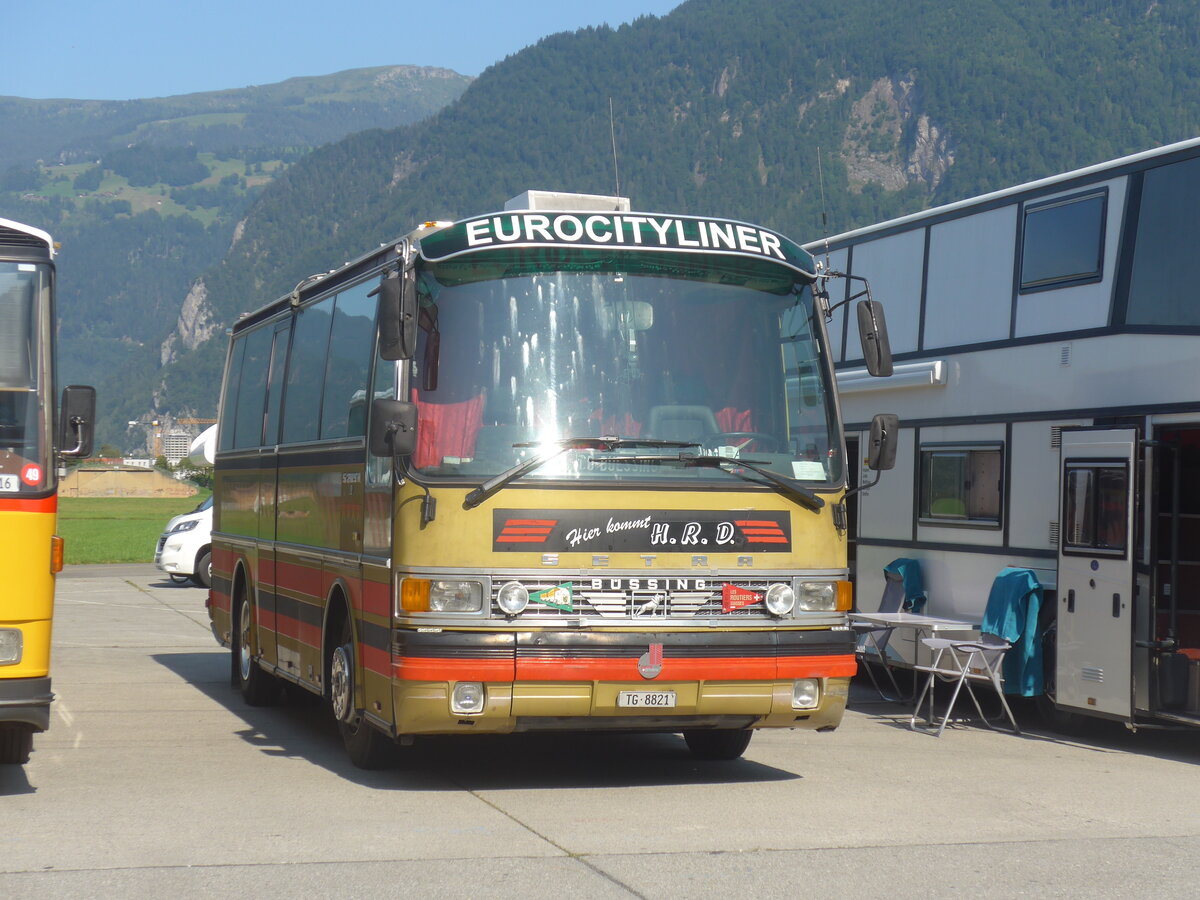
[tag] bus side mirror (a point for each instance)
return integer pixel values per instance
(77, 421)
(393, 428)
(398, 315)
(872, 331)
(881, 448)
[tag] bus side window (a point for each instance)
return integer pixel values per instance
(283, 332)
(248, 422)
(343, 412)
(306, 372)
(229, 401)
(379, 468)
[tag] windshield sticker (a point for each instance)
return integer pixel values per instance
(608, 230)
(682, 530)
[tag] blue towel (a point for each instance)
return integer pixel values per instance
(1012, 614)
(914, 588)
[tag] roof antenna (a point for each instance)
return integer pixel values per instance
(824, 215)
(612, 128)
(822, 292)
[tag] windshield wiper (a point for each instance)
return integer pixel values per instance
(786, 486)
(605, 444)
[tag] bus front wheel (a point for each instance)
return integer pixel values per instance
(718, 743)
(368, 748)
(16, 743)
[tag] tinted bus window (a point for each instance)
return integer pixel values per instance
(306, 372)
(343, 412)
(248, 422)
(229, 402)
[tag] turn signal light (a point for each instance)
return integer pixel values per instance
(845, 596)
(414, 595)
(56, 554)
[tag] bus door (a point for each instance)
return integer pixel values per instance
(1095, 571)
(268, 468)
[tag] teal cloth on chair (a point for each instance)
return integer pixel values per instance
(914, 588)
(1012, 614)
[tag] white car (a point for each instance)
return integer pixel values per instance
(185, 549)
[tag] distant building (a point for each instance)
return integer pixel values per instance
(138, 462)
(175, 446)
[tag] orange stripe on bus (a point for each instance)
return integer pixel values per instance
(39, 505)
(420, 668)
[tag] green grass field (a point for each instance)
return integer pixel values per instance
(116, 529)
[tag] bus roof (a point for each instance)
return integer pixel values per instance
(1040, 184)
(15, 234)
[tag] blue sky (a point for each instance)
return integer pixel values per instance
(129, 49)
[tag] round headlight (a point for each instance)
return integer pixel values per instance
(818, 596)
(512, 598)
(780, 599)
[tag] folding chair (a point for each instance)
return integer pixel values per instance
(903, 591)
(980, 661)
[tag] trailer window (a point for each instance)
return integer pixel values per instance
(1062, 243)
(1095, 509)
(1166, 267)
(961, 485)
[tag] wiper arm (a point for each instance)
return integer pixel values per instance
(786, 486)
(608, 443)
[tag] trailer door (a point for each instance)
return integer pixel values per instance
(1095, 571)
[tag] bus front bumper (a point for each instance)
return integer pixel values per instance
(26, 701)
(546, 681)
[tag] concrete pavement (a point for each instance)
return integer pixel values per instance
(156, 779)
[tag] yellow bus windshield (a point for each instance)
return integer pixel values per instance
(24, 372)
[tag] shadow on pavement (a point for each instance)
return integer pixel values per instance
(1100, 735)
(301, 727)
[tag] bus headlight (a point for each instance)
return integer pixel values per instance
(455, 596)
(424, 595)
(817, 596)
(513, 598)
(806, 693)
(11, 646)
(780, 599)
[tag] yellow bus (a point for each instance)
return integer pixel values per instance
(30, 552)
(566, 466)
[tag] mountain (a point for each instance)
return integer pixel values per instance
(299, 112)
(144, 195)
(722, 107)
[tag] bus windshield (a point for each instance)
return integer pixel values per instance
(24, 418)
(507, 367)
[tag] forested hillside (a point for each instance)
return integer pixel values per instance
(720, 108)
(144, 195)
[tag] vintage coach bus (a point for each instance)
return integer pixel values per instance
(561, 467)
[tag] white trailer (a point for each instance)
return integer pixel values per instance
(1047, 377)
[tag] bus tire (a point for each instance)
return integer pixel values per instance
(258, 688)
(718, 743)
(367, 747)
(202, 577)
(16, 743)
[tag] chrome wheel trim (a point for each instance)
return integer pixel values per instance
(245, 661)
(341, 684)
